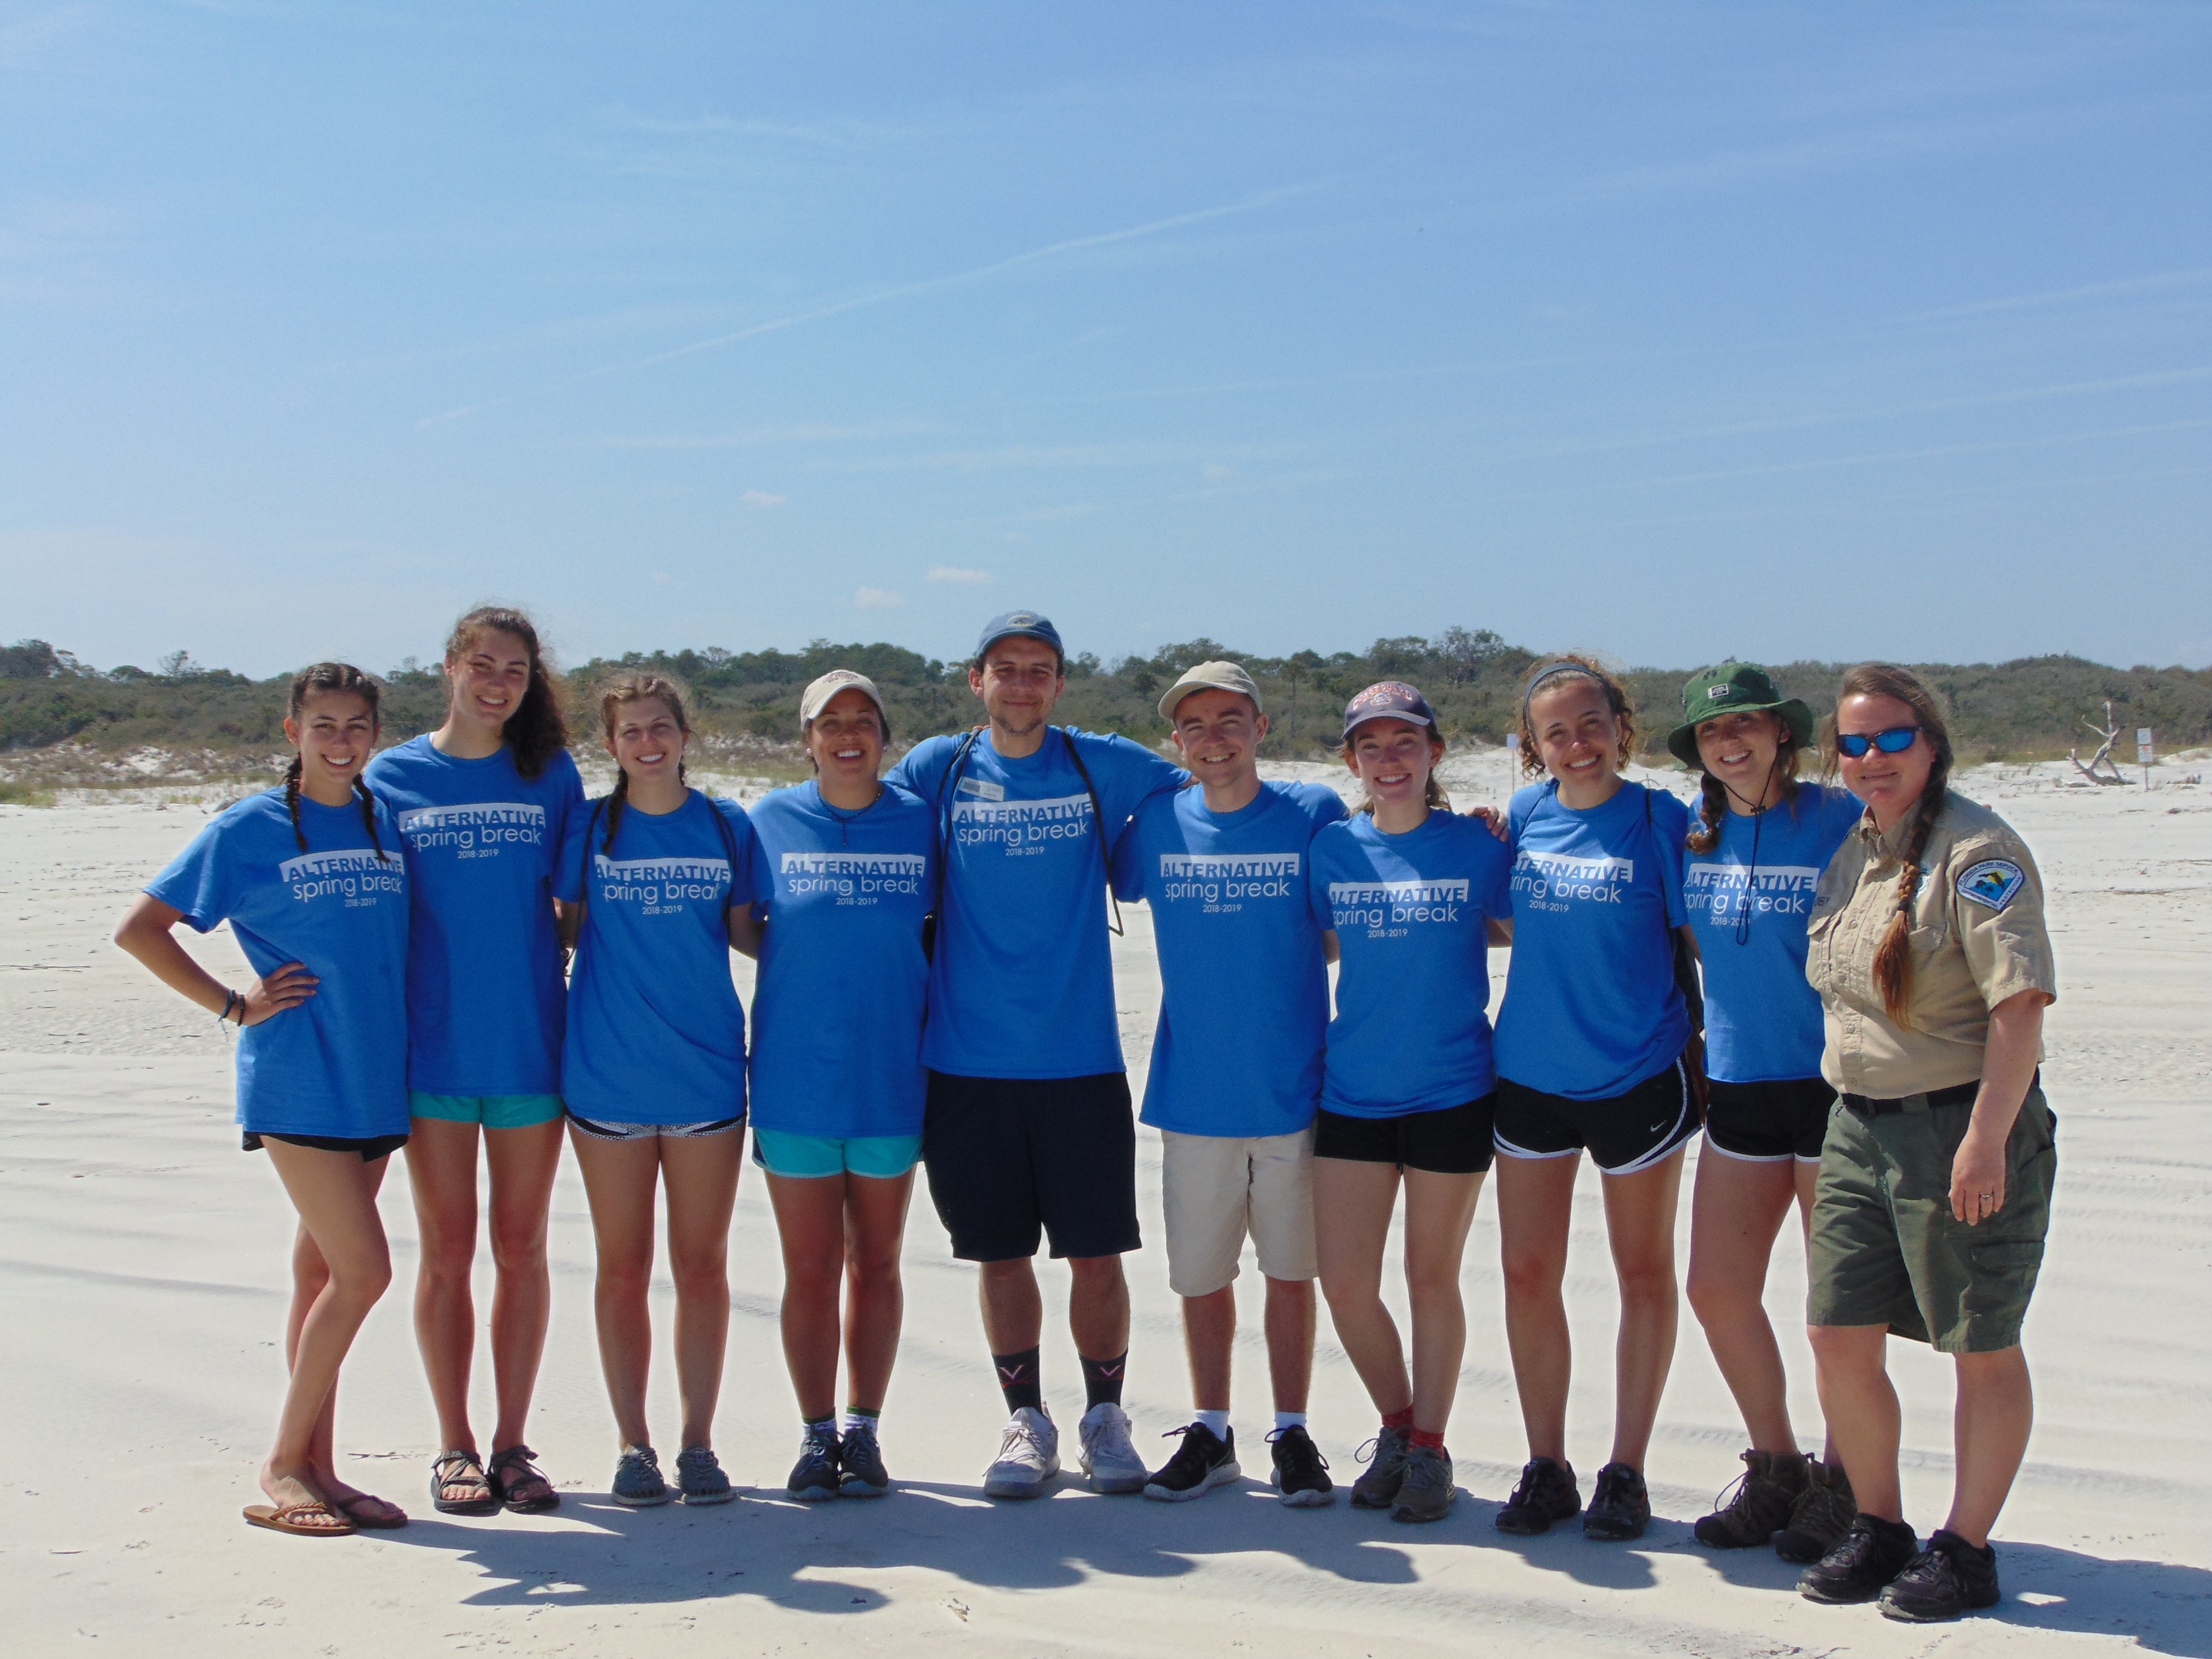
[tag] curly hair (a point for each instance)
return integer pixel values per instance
(1892, 958)
(535, 731)
(331, 676)
(614, 696)
(1584, 668)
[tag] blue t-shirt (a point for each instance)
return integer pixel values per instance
(1762, 1020)
(1410, 914)
(1591, 1007)
(484, 997)
(1240, 967)
(843, 987)
(1022, 984)
(336, 1064)
(656, 1034)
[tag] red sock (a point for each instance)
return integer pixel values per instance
(1426, 1437)
(1399, 1419)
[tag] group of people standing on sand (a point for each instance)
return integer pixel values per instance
(1844, 988)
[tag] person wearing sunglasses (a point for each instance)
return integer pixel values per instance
(1928, 948)
(1761, 839)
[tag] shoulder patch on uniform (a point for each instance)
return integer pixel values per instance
(1993, 884)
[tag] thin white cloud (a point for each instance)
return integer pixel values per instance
(2123, 289)
(877, 598)
(760, 500)
(957, 575)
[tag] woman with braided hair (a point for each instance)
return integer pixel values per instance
(1762, 838)
(482, 804)
(311, 882)
(1929, 952)
(653, 1068)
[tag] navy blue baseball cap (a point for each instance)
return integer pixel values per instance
(1027, 622)
(1389, 700)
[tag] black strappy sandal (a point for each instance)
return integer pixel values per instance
(512, 1471)
(466, 1472)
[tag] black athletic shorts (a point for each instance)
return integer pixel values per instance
(1014, 1159)
(1450, 1140)
(1770, 1122)
(1623, 1134)
(371, 1148)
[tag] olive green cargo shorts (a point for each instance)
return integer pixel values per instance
(1886, 1249)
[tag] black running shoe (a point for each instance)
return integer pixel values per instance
(814, 1477)
(1821, 1515)
(1426, 1492)
(861, 1467)
(1203, 1462)
(1546, 1494)
(1378, 1488)
(1873, 1552)
(1620, 1508)
(1948, 1579)
(1301, 1471)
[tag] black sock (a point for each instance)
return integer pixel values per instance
(1101, 1379)
(1018, 1379)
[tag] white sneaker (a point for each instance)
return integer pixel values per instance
(1109, 1459)
(1029, 1456)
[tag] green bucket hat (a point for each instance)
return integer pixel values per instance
(1734, 688)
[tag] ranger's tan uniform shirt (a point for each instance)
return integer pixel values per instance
(1977, 937)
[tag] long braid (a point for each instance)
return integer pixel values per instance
(1712, 811)
(615, 802)
(1893, 961)
(369, 816)
(292, 800)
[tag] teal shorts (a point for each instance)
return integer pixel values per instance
(493, 1111)
(806, 1158)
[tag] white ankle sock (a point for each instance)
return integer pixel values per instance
(1217, 1421)
(1290, 1420)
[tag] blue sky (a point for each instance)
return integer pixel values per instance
(1675, 331)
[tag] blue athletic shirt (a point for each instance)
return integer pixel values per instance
(1240, 967)
(1762, 1018)
(1022, 984)
(1591, 1007)
(1410, 914)
(843, 987)
(484, 999)
(656, 1034)
(334, 1064)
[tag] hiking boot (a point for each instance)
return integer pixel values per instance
(1029, 1456)
(1821, 1515)
(1619, 1508)
(699, 1477)
(1426, 1492)
(1385, 1457)
(1547, 1493)
(814, 1476)
(1766, 1494)
(1948, 1579)
(1301, 1471)
(861, 1464)
(638, 1481)
(1108, 1458)
(1203, 1462)
(1872, 1552)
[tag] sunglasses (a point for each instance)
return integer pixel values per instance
(1895, 741)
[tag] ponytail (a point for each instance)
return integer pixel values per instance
(1712, 812)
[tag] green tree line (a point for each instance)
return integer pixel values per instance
(2031, 706)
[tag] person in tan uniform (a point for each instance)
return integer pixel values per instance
(1929, 950)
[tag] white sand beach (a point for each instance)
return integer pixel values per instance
(143, 1258)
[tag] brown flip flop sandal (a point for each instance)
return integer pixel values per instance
(285, 1518)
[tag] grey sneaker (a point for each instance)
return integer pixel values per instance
(637, 1479)
(1108, 1458)
(1385, 1457)
(1029, 1456)
(1426, 1492)
(1765, 1495)
(814, 1477)
(699, 1477)
(1823, 1513)
(865, 1475)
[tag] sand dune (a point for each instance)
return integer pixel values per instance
(143, 1257)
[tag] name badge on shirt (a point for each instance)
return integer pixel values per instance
(981, 788)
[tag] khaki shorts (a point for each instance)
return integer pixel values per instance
(1886, 1249)
(1217, 1190)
